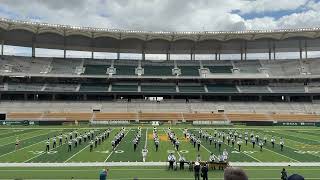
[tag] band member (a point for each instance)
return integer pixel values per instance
(54, 142)
(48, 145)
(171, 160)
(281, 143)
(272, 141)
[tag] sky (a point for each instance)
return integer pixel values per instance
(168, 15)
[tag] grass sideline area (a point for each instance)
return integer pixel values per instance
(157, 173)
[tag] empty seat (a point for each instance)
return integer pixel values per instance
(158, 88)
(125, 70)
(124, 88)
(219, 69)
(189, 70)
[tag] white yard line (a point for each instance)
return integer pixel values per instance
(45, 152)
(146, 142)
(24, 147)
(20, 135)
(116, 146)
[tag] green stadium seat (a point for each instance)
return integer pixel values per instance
(189, 70)
(157, 70)
(124, 88)
(96, 70)
(191, 88)
(158, 88)
(222, 88)
(125, 70)
(220, 69)
(94, 87)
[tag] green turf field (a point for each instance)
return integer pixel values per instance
(301, 145)
(147, 173)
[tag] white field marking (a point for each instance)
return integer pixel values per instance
(19, 135)
(146, 142)
(25, 139)
(302, 137)
(243, 152)
(80, 150)
(206, 148)
(116, 146)
(174, 145)
(282, 155)
(66, 134)
(25, 147)
(77, 152)
(7, 132)
(291, 146)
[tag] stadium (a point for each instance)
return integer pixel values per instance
(112, 112)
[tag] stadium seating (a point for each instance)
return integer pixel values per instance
(251, 66)
(158, 88)
(189, 70)
(219, 69)
(67, 116)
(191, 88)
(61, 87)
(248, 117)
(157, 70)
(203, 116)
(94, 87)
(160, 116)
(125, 70)
(95, 70)
(115, 116)
(222, 88)
(25, 87)
(124, 88)
(61, 66)
(254, 89)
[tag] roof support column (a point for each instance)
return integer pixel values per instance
(300, 49)
(219, 56)
(92, 45)
(2, 47)
(143, 56)
(269, 53)
(241, 54)
(245, 54)
(306, 49)
(118, 55)
(33, 49)
(64, 47)
(168, 56)
(216, 56)
(274, 53)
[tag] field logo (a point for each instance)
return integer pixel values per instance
(184, 151)
(245, 152)
(119, 151)
(36, 152)
(307, 152)
(171, 151)
(103, 152)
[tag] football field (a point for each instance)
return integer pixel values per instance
(302, 145)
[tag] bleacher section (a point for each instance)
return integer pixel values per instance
(158, 88)
(253, 89)
(124, 87)
(221, 88)
(196, 88)
(126, 67)
(61, 87)
(287, 88)
(94, 87)
(95, 70)
(63, 66)
(24, 87)
(251, 66)
(28, 65)
(219, 69)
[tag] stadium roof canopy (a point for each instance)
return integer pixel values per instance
(42, 35)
